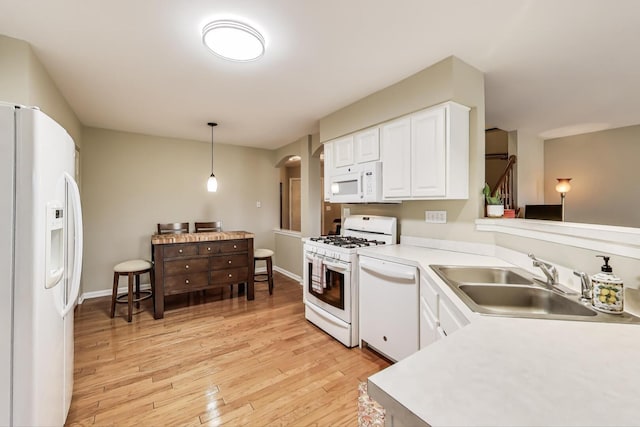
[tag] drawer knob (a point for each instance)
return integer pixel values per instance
(229, 261)
(186, 266)
(209, 249)
(230, 275)
(384, 338)
(235, 247)
(179, 250)
(186, 281)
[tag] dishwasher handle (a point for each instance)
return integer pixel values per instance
(408, 273)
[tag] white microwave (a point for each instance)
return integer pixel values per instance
(361, 183)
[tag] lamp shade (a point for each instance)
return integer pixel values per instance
(563, 185)
(212, 184)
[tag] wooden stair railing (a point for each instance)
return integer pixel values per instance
(505, 185)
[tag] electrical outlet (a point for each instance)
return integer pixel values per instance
(258, 204)
(435, 217)
(346, 212)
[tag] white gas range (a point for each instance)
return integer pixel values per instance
(330, 273)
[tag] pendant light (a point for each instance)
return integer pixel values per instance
(212, 183)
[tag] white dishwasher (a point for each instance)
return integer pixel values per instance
(389, 308)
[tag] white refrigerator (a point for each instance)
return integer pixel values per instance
(40, 266)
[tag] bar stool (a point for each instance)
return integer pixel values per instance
(131, 268)
(264, 255)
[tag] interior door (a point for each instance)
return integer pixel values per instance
(295, 203)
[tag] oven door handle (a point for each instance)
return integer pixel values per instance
(330, 265)
(335, 266)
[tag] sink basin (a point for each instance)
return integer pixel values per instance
(483, 275)
(525, 300)
(513, 292)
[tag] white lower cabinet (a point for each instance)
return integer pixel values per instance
(388, 298)
(438, 315)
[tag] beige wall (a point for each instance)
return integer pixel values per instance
(132, 182)
(24, 81)
(450, 79)
(604, 170)
(288, 254)
(423, 89)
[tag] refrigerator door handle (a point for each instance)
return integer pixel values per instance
(78, 243)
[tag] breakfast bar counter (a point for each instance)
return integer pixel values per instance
(189, 262)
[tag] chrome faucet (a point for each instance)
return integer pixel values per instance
(550, 271)
(585, 285)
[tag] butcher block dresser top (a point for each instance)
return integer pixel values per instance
(164, 239)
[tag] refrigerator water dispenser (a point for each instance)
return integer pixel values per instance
(54, 257)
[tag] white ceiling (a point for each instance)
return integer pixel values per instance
(552, 67)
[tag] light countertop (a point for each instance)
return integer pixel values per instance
(512, 372)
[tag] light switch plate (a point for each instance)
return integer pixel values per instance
(435, 217)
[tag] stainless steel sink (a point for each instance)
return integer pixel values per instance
(513, 292)
(483, 275)
(526, 300)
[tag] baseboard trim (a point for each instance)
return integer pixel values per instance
(288, 274)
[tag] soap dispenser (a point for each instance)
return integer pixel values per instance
(608, 292)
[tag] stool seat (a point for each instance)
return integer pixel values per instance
(132, 266)
(262, 253)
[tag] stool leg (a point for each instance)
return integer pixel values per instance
(152, 280)
(270, 275)
(130, 297)
(137, 291)
(114, 293)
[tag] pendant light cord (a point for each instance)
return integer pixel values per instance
(211, 149)
(212, 124)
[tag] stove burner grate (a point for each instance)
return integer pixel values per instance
(347, 242)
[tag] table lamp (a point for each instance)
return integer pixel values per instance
(563, 186)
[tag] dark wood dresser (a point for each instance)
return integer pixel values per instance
(191, 262)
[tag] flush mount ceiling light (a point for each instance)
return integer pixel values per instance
(233, 40)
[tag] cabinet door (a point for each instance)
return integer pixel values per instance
(396, 159)
(367, 145)
(428, 153)
(343, 152)
(328, 169)
(428, 325)
(450, 318)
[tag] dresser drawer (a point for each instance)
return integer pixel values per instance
(208, 248)
(229, 276)
(174, 251)
(183, 266)
(228, 261)
(185, 283)
(231, 246)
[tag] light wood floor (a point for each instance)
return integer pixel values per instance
(215, 361)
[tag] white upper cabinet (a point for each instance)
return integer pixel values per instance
(425, 155)
(396, 159)
(428, 158)
(343, 152)
(367, 145)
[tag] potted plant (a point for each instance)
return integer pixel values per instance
(495, 208)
